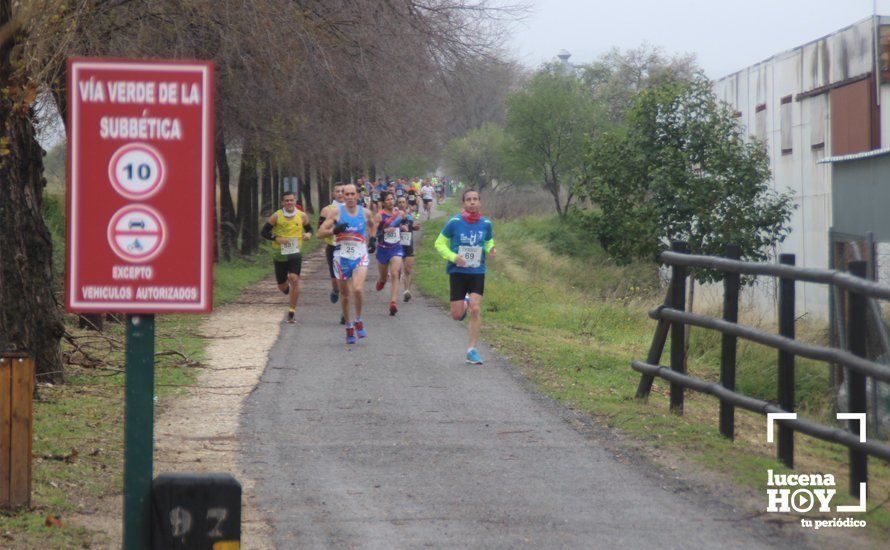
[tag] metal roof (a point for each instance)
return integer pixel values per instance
(855, 156)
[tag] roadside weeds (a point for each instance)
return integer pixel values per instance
(574, 334)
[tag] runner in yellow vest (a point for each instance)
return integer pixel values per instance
(286, 229)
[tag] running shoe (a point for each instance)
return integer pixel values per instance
(342, 320)
(407, 296)
(466, 308)
(350, 336)
(335, 296)
(360, 328)
(473, 357)
(380, 285)
(290, 316)
(393, 309)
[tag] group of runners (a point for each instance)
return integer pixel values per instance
(383, 226)
(418, 194)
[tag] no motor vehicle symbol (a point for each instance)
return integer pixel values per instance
(136, 233)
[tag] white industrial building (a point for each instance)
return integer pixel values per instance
(818, 101)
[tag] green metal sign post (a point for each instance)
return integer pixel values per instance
(128, 196)
(139, 431)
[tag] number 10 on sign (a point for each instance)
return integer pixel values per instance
(137, 171)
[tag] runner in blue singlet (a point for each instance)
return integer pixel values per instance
(351, 224)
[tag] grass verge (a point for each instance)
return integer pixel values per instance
(576, 330)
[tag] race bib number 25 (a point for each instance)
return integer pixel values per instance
(352, 250)
(471, 254)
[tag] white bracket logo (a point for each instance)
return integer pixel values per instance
(855, 416)
(769, 422)
(861, 417)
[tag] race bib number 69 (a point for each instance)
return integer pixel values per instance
(471, 254)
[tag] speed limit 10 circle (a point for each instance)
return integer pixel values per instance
(137, 171)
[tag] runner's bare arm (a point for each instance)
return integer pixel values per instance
(327, 228)
(372, 222)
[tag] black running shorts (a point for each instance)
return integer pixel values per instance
(329, 256)
(292, 264)
(466, 283)
(408, 250)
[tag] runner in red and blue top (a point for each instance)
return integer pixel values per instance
(389, 248)
(351, 224)
(466, 241)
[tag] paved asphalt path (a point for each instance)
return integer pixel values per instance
(396, 443)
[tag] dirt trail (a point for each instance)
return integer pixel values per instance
(197, 432)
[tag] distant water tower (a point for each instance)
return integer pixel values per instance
(564, 56)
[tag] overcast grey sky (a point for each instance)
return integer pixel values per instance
(726, 35)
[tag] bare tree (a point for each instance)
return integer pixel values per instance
(351, 82)
(30, 319)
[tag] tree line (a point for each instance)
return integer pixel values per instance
(320, 89)
(635, 149)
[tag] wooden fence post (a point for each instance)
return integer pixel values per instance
(16, 426)
(785, 444)
(678, 329)
(659, 339)
(731, 284)
(856, 380)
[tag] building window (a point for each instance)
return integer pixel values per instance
(817, 107)
(853, 118)
(786, 122)
(760, 122)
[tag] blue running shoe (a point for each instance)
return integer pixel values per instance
(473, 357)
(335, 296)
(350, 335)
(360, 328)
(466, 308)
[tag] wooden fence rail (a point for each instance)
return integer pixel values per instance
(672, 319)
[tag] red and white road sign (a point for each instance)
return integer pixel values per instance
(140, 186)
